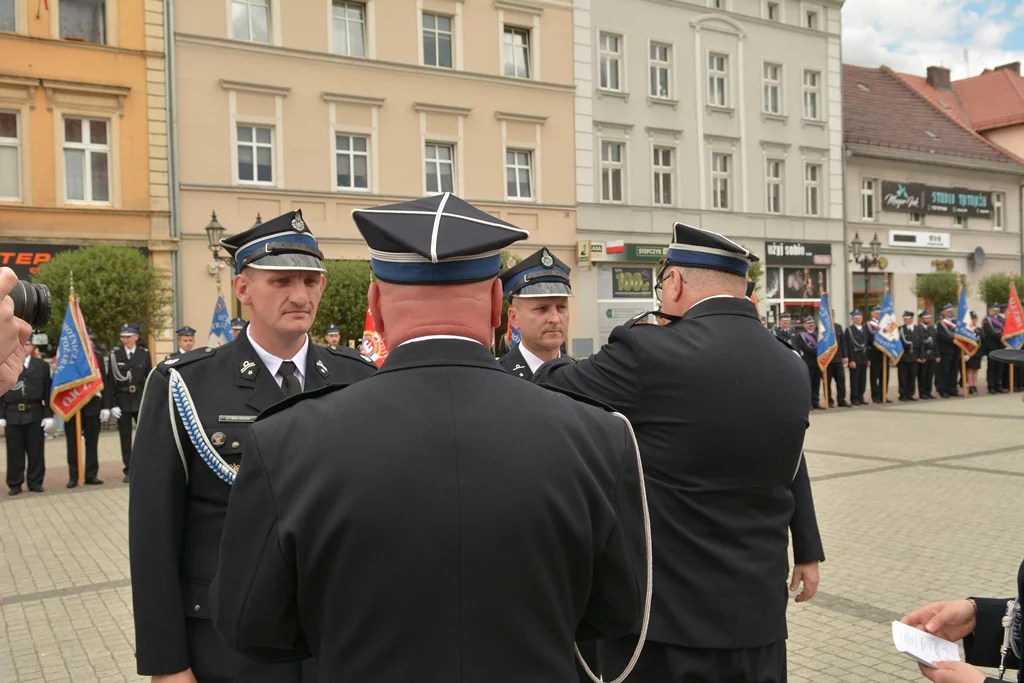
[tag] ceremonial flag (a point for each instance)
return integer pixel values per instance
(373, 346)
(76, 375)
(887, 337)
(512, 337)
(220, 328)
(1013, 330)
(964, 336)
(828, 345)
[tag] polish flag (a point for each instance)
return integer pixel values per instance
(615, 247)
(373, 346)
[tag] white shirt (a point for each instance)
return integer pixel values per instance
(28, 358)
(128, 352)
(273, 363)
(715, 296)
(531, 359)
(439, 336)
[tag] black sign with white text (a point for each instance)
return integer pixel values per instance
(798, 253)
(945, 201)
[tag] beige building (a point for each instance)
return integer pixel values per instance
(331, 105)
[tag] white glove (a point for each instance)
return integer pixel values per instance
(104, 415)
(116, 412)
(3, 423)
(47, 424)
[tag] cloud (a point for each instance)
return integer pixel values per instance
(911, 35)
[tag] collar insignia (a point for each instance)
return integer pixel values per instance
(170, 361)
(321, 368)
(518, 367)
(248, 369)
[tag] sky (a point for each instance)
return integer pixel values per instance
(911, 35)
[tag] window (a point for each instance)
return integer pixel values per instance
(663, 176)
(772, 89)
(998, 199)
(720, 175)
(437, 40)
(250, 20)
(440, 168)
(773, 12)
(86, 161)
(518, 174)
(517, 52)
(8, 16)
(10, 157)
(959, 221)
(348, 26)
(916, 219)
(255, 154)
(661, 70)
(812, 189)
(84, 20)
(812, 81)
(717, 79)
(610, 58)
(611, 171)
(352, 154)
(773, 185)
(811, 19)
(867, 199)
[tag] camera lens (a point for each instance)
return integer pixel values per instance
(31, 303)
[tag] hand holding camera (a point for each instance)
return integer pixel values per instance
(24, 306)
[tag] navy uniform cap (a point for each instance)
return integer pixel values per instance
(332, 329)
(129, 329)
(785, 316)
(540, 274)
(855, 311)
(876, 308)
(993, 305)
(924, 314)
(185, 332)
(434, 240)
(698, 248)
(947, 307)
(908, 314)
(237, 324)
(282, 243)
(1003, 307)
(809, 319)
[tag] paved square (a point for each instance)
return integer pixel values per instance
(912, 501)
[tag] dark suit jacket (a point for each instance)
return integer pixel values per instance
(515, 364)
(32, 393)
(177, 504)
(127, 392)
(390, 530)
(857, 343)
(981, 648)
(720, 409)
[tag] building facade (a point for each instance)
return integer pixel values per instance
(331, 105)
(83, 131)
(729, 121)
(938, 196)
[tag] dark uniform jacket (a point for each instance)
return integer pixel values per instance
(28, 401)
(103, 399)
(947, 337)
(911, 339)
(842, 349)
(720, 409)
(992, 333)
(177, 505)
(857, 342)
(126, 378)
(929, 342)
(515, 364)
(981, 647)
(784, 334)
(384, 527)
(806, 344)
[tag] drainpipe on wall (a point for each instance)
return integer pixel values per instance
(848, 279)
(174, 196)
(1020, 224)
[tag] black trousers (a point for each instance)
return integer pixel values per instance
(908, 378)
(661, 663)
(815, 372)
(25, 441)
(213, 662)
(858, 381)
(91, 432)
(994, 375)
(949, 372)
(876, 359)
(837, 375)
(925, 375)
(124, 429)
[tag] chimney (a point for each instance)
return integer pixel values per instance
(1012, 66)
(938, 77)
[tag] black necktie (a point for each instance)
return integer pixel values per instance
(291, 384)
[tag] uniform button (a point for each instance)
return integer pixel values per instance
(235, 444)
(196, 609)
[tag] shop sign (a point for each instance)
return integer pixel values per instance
(798, 253)
(583, 253)
(24, 258)
(915, 238)
(632, 283)
(947, 201)
(633, 253)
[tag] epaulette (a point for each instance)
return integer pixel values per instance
(580, 397)
(187, 357)
(635, 320)
(788, 343)
(292, 400)
(346, 352)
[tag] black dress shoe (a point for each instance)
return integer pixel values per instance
(13, 491)
(125, 480)
(73, 483)
(37, 489)
(94, 482)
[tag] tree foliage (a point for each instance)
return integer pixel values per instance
(939, 288)
(755, 272)
(995, 289)
(115, 285)
(344, 300)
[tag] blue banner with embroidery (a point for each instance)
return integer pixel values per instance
(194, 428)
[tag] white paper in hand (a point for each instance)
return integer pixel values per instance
(923, 647)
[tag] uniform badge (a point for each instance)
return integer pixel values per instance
(518, 367)
(298, 224)
(236, 418)
(366, 358)
(217, 439)
(170, 361)
(321, 368)
(546, 260)
(248, 369)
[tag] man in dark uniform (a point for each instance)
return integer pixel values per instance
(332, 336)
(94, 412)
(837, 367)
(26, 416)
(949, 354)
(182, 470)
(186, 337)
(784, 331)
(992, 340)
(127, 368)
(462, 556)
(720, 507)
(538, 294)
(910, 335)
(929, 351)
(857, 340)
(806, 344)
(875, 357)
(237, 325)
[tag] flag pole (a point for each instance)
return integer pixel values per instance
(79, 456)
(1014, 288)
(885, 376)
(963, 354)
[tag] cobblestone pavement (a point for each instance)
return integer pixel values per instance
(911, 500)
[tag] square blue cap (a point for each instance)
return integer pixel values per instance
(129, 329)
(185, 331)
(282, 243)
(332, 329)
(541, 274)
(237, 324)
(696, 248)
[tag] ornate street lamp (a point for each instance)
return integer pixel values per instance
(866, 260)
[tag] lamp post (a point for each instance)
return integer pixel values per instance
(214, 231)
(866, 260)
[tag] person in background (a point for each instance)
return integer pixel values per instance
(992, 340)
(876, 358)
(784, 331)
(128, 367)
(949, 354)
(927, 358)
(186, 341)
(974, 362)
(26, 417)
(857, 339)
(94, 412)
(332, 336)
(910, 335)
(837, 367)
(237, 325)
(806, 344)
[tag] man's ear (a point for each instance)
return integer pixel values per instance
(677, 282)
(496, 297)
(240, 283)
(373, 298)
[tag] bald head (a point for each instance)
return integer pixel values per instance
(404, 312)
(682, 287)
